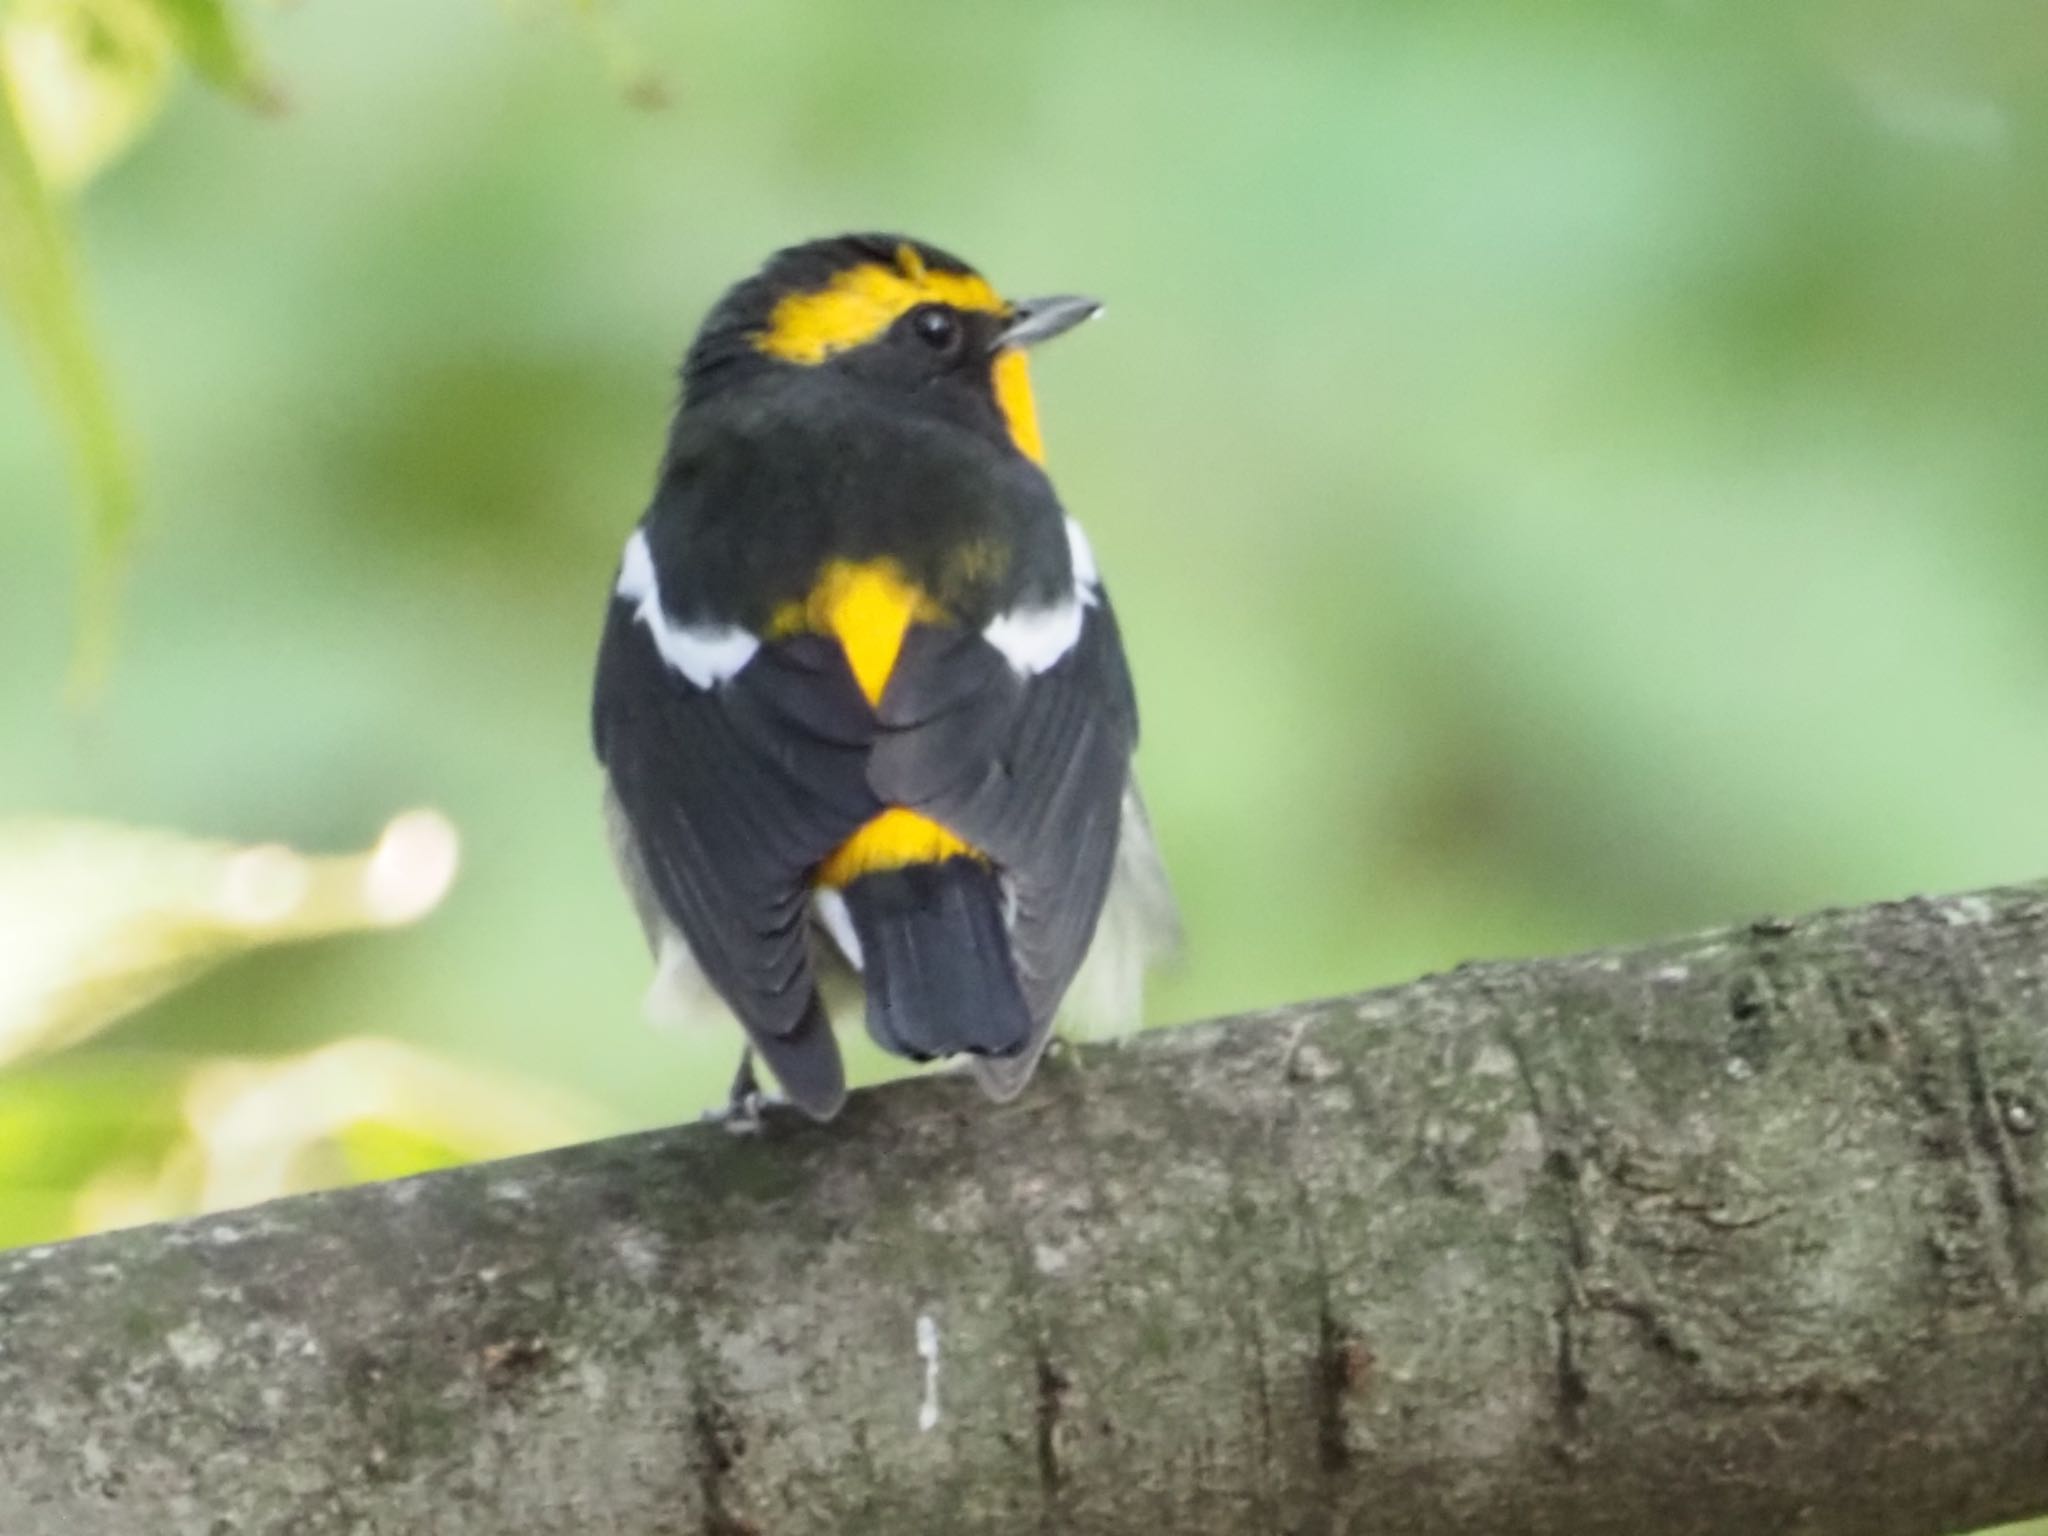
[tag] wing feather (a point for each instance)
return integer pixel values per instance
(1030, 770)
(732, 794)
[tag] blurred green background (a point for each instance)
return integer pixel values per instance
(1569, 473)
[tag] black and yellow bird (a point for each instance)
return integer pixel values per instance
(860, 700)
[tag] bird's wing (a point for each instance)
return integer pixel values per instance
(1028, 766)
(732, 791)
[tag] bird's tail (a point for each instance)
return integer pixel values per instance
(935, 955)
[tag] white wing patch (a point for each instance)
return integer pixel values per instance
(1087, 580)
(703, 653)
(1033, 640)
(830, 909)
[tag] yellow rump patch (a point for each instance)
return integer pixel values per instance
(890, 841)
(867, 606)
(864, 301)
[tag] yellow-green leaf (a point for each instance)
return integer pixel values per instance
(624, 59)
(40, 290)
(97, 920)
(79, 82)
(88, 76)
(360, 1108)
(214, 42)
(254, 1130)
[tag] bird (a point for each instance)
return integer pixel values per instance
(864, 716)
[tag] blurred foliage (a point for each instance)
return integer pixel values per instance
(1568, 472)
(97, 921)
(79, 79)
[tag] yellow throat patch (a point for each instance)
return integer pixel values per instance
(868, 606)
(1012, 378)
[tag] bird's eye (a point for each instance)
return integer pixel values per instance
(936, 326)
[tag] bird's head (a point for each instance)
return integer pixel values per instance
(886, 313)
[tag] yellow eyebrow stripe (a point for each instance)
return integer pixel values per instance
(861, 303)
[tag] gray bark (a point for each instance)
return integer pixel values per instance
(1742, 1233)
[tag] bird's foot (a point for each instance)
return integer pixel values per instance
(745, 1103)
(743, 1114)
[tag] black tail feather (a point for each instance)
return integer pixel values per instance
(935, 953)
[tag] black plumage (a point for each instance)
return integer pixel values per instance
(736, 790)
(1031, 771)
(935, 952)
(734, 794)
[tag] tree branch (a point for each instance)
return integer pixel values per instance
(1738, 1233)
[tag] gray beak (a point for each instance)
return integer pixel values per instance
(1036, 320)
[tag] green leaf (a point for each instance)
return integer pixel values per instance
(78, 82)
(213, 41)
(89, 76)
(39, 287)
(104, 919)
(624, 59)
(76, 1123)
(359, 1108)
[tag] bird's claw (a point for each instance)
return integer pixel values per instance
(742, 1115)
